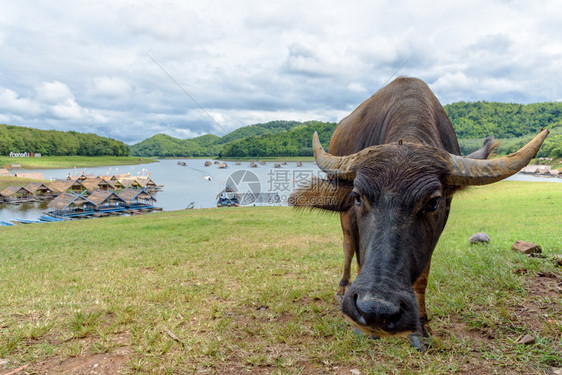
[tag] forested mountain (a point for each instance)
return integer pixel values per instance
(502, 120)
(271, 127)
(206, 145)
(513, 124)
(295, 142)
(52, 142)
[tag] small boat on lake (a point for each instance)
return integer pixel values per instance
(190, 206)
(208, 163)
(228, 198)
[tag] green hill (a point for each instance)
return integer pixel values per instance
(162, 145)
(513, 124)
(20, 139)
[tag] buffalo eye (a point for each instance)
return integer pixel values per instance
(357, 198)
(432, 204)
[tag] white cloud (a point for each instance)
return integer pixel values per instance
(110, 86)
(54, 92)
(84, 65)
(11, 102)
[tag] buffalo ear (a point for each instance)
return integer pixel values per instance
(331, 195)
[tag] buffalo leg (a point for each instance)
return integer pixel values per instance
(419, 290)
(348, 252)
(417, 339)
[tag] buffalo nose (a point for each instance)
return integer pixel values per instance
(379, 312)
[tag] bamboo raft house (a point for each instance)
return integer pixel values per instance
(63, 186)
(96, 183)
(39, 190)
(17, 194)
(71, 205)
(107, 201)
(137, 199)
(130, 183)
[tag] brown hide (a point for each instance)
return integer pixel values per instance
(405, 109)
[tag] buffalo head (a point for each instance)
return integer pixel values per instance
(398, 198)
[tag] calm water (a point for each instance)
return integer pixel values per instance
(185, 184)
(191, 183)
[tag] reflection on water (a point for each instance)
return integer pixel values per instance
(30, 210)
(198, 183)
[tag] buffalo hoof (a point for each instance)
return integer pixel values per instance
(358, 332)
(419, 342)
(342, 290)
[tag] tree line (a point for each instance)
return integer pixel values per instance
(53, 142)
(512, 124)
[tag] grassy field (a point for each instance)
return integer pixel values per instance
(251, 290)
(50, 162)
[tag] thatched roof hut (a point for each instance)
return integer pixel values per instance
(120, 176)
(15, 192)
(146, 182)
(70, 203)
(136, 197)
(92, 184)
(130, 183)
(104, 199)
(60, 186)
(38, 188)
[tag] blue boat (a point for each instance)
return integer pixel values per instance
(5, 224)
(25, 221)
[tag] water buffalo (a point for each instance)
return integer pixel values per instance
(393, 166)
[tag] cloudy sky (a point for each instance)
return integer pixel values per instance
(115, 67)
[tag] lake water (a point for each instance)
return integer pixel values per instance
(185, 184)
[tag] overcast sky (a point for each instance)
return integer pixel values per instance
(88, 65)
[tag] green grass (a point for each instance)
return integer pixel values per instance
(50, 162)
(250, 290)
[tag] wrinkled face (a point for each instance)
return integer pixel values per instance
(397, 215)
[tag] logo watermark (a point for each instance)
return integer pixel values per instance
(24, 155)
(277, 187)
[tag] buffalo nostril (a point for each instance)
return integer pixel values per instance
(391, 326)
(361, 317)
(378, 312)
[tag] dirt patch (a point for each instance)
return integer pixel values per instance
(88, 363)
(82, 365)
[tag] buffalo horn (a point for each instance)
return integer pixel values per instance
(466, 171)
(341, 167)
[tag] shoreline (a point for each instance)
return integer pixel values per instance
(64, 162)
